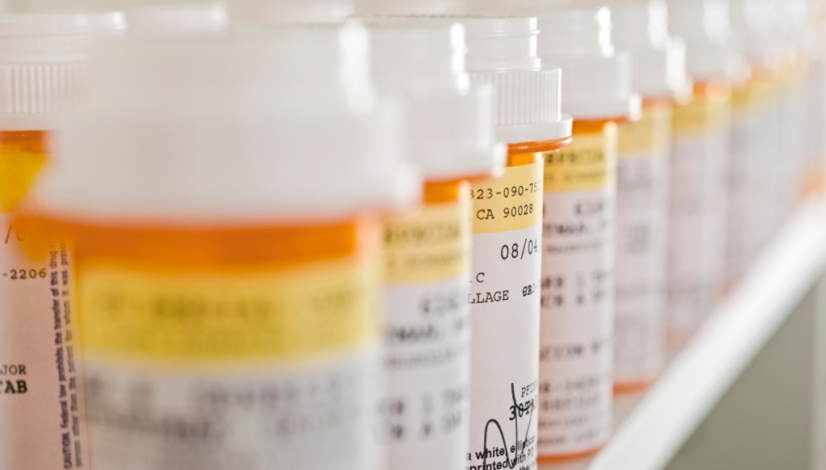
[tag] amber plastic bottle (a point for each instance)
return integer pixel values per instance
(227, 289)
(43, 62)
(579, 217)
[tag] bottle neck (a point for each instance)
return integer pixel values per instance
(531, 152)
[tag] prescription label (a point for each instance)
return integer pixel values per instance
(426, 320)
(431, 245)
(504, 300)
(309, 415)
(652, 131)
(793, 159)
(511, 202)
(755, 94)
(583, 165)
(641, 247)
(575, 383)
(752, 199)
(229, 370)
(702, 115)
(215, 317)
(41, 370)
(699, 162)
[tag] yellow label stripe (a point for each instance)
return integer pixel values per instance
(584, 165)
(700, 116)
(511, 202)
(754, 95)
(650, 134)
(218, 317)
(433, 244)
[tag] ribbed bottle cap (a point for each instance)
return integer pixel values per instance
(289, 11)
(203, 131)
(409, 53)
(177, 19)
(41, 57)
(641, 27)
(452, 133)
(598, 80)
(502, 53)
(408, 7)
(793, 18)
(803, 41)
(754, 25)
(704, 26)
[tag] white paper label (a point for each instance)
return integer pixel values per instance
(42, 416)
(504, 298)
(752, 206)
(427, 367)
(575, 387)
(699, 158)
(426, 320)
(642, 207)
(309, 416)
(641, 247)
(696, 230)
(793, 152)
(258, 369)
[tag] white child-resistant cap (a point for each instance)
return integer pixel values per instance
(641, 27)
(502, 51)
(408, 7)
(704, 26)
(797, 24)
(452, 134)
(177, 19)
(755, 29)
(793, 19)
(598, 80)
(278, 126)
(41, 63)
(289, 11)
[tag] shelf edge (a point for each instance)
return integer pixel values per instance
(732, 337)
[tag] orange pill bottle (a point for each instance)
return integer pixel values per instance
(221, 204)
(42, 58)
(425, 312)
(579, 216)
(506, 227)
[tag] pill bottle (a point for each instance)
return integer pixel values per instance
(218, 194)
(42, 59)
(699, 164)
(642, 192)
(507, 238)
(815, 178)
(426, 316)
(753, 182)
(577, 324)
(207, 18)
(793, 21)
(507, 234)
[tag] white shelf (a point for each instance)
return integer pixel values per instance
(651, 429)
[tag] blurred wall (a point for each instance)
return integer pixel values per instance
(771, 419)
